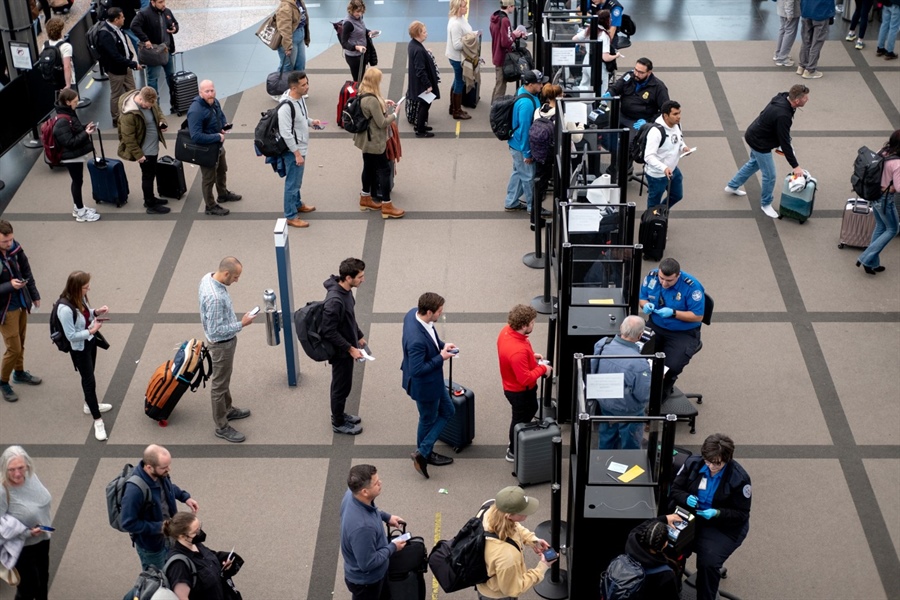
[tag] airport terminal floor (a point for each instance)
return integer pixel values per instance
(799, 365)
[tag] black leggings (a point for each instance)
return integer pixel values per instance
(76, 172)
(84, 361)
(377, 165)
(34, 568)
(353, 63)
(148, 177)
(421, 115)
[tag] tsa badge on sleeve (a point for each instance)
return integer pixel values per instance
(747, 491)
(652, 283)
(696, 295)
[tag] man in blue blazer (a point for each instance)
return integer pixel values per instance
(423, 378)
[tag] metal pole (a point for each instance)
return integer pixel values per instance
(546, 304)
(556, 587)
(535, 260)
(286, 291)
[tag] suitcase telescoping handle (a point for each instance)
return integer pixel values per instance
(102, 162)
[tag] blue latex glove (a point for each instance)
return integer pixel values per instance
(637, 124)
(709, 513)
(665, 312)
(692, 501)
(649, 308)
(606, 95)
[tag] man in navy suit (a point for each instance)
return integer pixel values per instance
(423, 378)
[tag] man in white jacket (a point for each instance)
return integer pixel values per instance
(661, 156)
(294, 124)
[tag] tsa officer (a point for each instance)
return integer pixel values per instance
(718, 489)
(674, 302)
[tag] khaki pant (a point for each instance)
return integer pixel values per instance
(214, 175)
(118, 85)
(13, 330)
(499, 85)
(222, 355)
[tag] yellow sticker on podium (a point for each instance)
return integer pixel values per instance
(601, 301)
(630, 474)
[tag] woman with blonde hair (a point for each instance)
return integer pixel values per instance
(457, 27)
(373, 143)
(503, 551)
(81, 325)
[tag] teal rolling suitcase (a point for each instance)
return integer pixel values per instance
(797, 205)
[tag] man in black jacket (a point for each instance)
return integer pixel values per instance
(17, 293)
(642, 95)
(117, 58)
(156, 24)
(771, 129)
(339, 327)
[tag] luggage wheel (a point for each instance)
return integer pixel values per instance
(803, 221)
(163, 423)
(780, 217)
(457, 449)
(841, 246)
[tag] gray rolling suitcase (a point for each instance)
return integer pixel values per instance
(533, 448)
(857, 224)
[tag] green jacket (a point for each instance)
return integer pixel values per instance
(373, 141)
(133, 129)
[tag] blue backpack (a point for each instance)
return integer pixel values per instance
(624, 578)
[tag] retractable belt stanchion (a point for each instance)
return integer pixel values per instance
(555, 587)
(535, 260)
(546, 304)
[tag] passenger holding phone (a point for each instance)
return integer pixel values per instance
(17, 294)
(74, 139)
(80, 325)
(212, 570)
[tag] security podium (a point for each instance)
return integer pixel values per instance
(612, 491)
(599, 284)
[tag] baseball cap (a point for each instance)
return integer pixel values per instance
(534, 76)
(512, 500)
(507, 3)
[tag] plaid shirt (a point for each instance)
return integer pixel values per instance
(216, 311)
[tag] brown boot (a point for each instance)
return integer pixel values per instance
(389, 211)
(367, 203)
(458, 112)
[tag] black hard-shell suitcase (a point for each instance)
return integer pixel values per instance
(108, 181)
(170, 177)
(470, 98)
(460, 429)
(654, 228)
(186, 88)
(406, 568)
(534, 451)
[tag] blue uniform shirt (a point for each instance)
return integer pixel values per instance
(615, 13)
(705, 497)
(687, 294)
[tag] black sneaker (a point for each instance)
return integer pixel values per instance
(890, 55)
(218, 211)
(424, 134)
(26, 378)
(352, 419)
(230, 434)
(230, 197)
(347, 428)
(880, 52)
(157, 209)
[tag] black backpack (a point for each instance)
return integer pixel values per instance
(93, 39)
(267, 135)
(458, 564)
(115, 491)
(867, 170)
(624, 578)
(542, 138)
(352, 118)
(308, 323)
(639, 140)
(502, 115)
(50, 66)
(57, 334)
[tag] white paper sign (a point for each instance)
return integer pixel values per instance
(562, 56)
(584, 220)
(605, 385)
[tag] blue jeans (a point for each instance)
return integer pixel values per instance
(458, 84)
(886, 227)
(890, 24)
(759, 161)
(169, 70)
(297, 60)
(157, 558)
(433, 415)
(620, 436)
(521, 181)
(292, 181)
(657, 185)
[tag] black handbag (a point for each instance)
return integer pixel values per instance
(202, 155)
(101, 341)
(155, 56)
(277, 82)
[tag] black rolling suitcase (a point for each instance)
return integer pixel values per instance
(186, 88)
(460, 429)
(170, 177)
(533, 448)
(653, 230)
(470, 98)
(406, 569)
(108, 181)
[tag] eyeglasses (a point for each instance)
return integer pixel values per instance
(717, 463)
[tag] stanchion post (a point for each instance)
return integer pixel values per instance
(286, 291)
(535, 260)
(556, 587)
(546, 304)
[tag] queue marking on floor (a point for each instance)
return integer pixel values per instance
(437, 516)
(458, 123)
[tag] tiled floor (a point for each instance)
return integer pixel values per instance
(799, 366)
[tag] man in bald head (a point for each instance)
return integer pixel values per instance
(208, 126)
(149, 500)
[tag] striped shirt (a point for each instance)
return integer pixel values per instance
(216, 311)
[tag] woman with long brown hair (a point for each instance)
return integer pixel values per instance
(80, 324)
(373, 143)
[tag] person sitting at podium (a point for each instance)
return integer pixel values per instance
(636, 388)
(674, 302)
(718, 489)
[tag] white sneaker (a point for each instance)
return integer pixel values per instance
(86, 214)
(88, 209)
(801, 70)
(735, 192)
(812, 74)
(100, 430)
(103, 408)
(770, 212)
